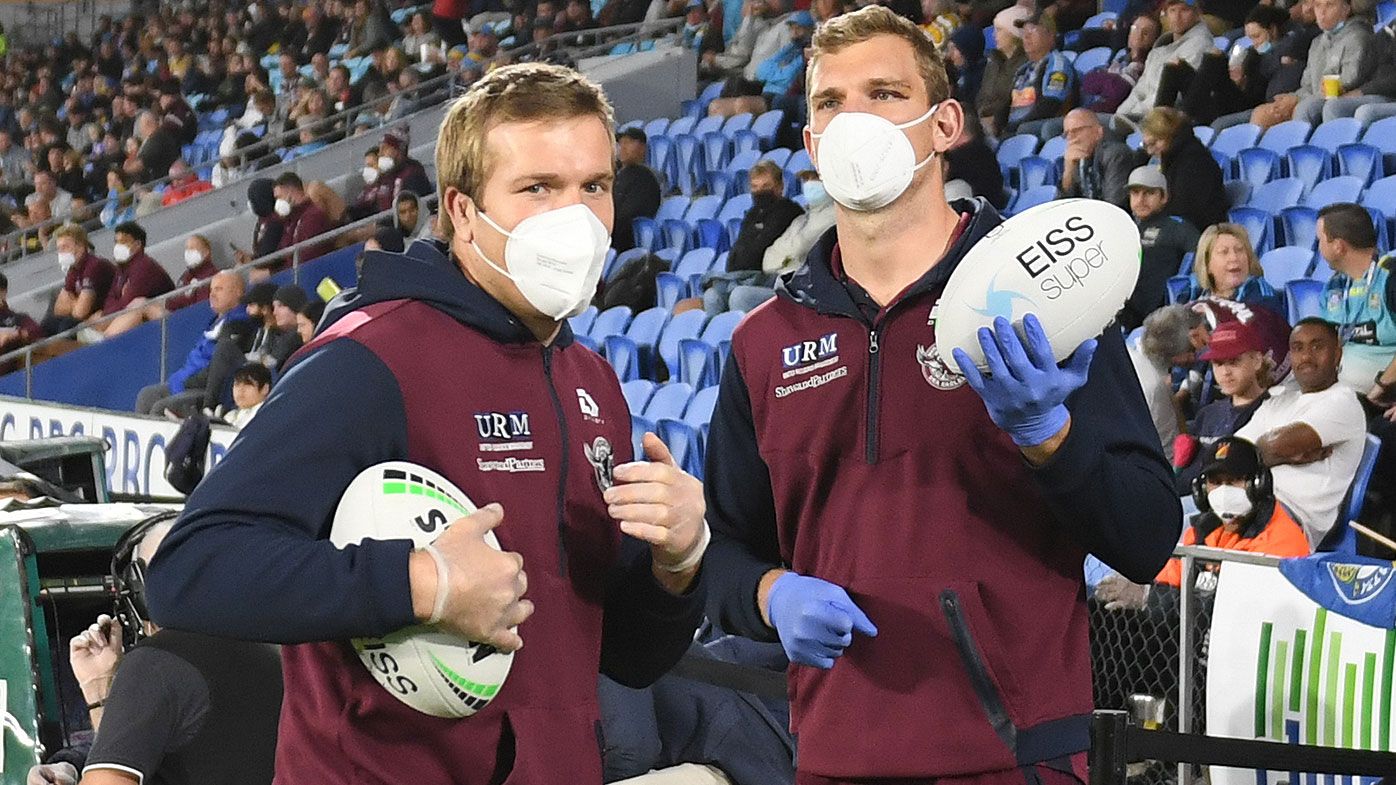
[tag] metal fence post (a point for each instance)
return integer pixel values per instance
(1185, 611)
(164, 347)
(29, 375)
(296, 267)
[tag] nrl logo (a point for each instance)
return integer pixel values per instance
(1358, 583)
(936, 372)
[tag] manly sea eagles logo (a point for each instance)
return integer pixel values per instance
(602, 460)
(937, 373)
(1358, 583)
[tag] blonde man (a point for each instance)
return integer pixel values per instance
(86, 280)
(457, 360)
(911, 532)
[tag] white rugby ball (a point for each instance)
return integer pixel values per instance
(433, 671)
(1072, 262)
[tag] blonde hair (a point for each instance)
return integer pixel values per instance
(844, 31)
(203, 239)
(1204, 252)
(509, 94)
(1164, 122)
(74, 232)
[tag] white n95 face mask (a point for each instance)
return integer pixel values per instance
(1229, 502)
(282, 207)
(555, 258)
(370, 175)
(192, 258)
(866, 161)
(66, 260)
(121, 252)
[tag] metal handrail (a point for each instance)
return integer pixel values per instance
(426, 93)
(293, 251)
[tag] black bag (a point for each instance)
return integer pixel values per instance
(634, 285)
(185, 455)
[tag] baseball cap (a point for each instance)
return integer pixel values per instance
(260, 294)
(1188, 3)
(1148, 177)
(692, 4)
(1006, 21)
(801, 18)
(291, 296)
(1229, 341)
(1231, 456)
(1038, 18)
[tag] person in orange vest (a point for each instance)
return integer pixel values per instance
(1237, 511)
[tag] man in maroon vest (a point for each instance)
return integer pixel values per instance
(458, 357)
(911, 532)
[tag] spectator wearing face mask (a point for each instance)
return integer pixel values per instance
(767, 219)
(303, 218)
(138, 279)
(87, 278)
(399, 169)
(198, 266)
(377, 193)
(267, 233)
(789, 250)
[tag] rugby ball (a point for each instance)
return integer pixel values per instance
(1072, 262)
(433, 671)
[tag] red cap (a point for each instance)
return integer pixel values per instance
(1229, 341)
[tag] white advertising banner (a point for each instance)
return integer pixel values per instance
(135, 458)
(1282, 668)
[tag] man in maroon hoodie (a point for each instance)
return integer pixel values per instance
(302, 217)
(458, 356)
(913, 533)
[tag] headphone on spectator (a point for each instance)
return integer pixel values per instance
(1260, 486)
(128, 579)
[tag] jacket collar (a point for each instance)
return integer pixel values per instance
(816, 284)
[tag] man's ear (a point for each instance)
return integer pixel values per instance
(460, 210)
(949, 125)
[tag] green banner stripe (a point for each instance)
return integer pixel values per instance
(1330, 692)
(1349, 698)
(1311, 716)
(1385, 715)
(1369, 686)
(1277, 693)
(1296, 670)
(1262, 672)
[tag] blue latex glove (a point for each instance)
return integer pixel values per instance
(1025, 391)
(815, 619)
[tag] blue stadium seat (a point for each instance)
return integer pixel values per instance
(582, 322)
(672, 207)
(1036, 170)
(623, 356)
(1177, 287)
(779, 156)
(697, 363)
(1237, 191)
(695, 263)
(1092, 59)
(688, 324)
(1221, 42)
(799, 162)
(1256, 222)
(1382, 193)
(734, 228)
(1014, 149)
(669, 289)
(644, 332)
(1032, 197)
(1257, 166)
(645, 232)
(684, 444)
(1276, 195)
(700, 409)
(737, 122)
(1282, 265)
(698, 107)
(1299, 227)
(657, 127)
(662, 157)
(1099, 20)
(1185, 265)
(1382, 135)
(1204, 133)
(1344, 188)
(1053, 149)
(669, 400)
(1386, 13)
(682, 126)
(637, 393)
(1309, 164)
(712, 234)
(639, 426)
(1283, 136)
(1303, 298)
(742, 161)
(735, 207)
(744, 140)
(1321, 271)
(611, 321)
(1362, 161)
(717, 149)
(1380, 223)
(1333, 134)
(688, 164)
(675, 235)
(720, 184)
(707, 125)
(767, 126)
(1343, 537)
(703, 207)
(720, 327)
(1230, 141)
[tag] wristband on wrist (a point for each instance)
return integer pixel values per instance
(94, 705)
(695, 555)
(443, 572)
